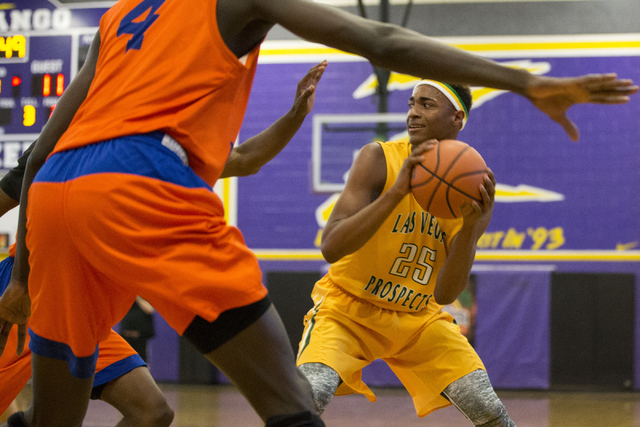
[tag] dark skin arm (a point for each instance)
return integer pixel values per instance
(454, 274)
(6, 203)
(248, 157)
(243, 24)
(15, 305)
(360, 209)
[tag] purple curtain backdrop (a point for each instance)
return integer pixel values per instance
(512, 328)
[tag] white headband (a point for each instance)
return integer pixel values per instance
(451, 95)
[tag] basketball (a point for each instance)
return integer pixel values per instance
(449, 176)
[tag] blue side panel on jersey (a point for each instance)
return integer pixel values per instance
(6, 267)
(80, 367)
(142, 155)
(118, 369)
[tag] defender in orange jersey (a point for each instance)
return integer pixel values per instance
(132, 173)
(228, 253)
(388, 282)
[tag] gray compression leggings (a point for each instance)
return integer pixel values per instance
(471, 394)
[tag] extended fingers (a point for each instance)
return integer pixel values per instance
(490, 184)
(22, 334)
(596, 82)
(491, 176)
(417, 152)
(5, 328)
(319, 70)
(315, 72)
(487, 192)
(619, 97)
(311, 78)
(608, 89)
(423, 147)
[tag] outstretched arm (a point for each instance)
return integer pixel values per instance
(15, 305)
(394, 48)
(248, 157)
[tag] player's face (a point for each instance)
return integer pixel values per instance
(430, 115)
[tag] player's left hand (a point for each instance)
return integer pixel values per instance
(15, 308)
(306, 89)
(478, 216)
(554, 96)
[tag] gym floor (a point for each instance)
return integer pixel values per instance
(223, 406)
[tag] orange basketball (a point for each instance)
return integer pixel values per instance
(449, 176)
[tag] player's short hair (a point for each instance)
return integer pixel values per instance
(464, 92)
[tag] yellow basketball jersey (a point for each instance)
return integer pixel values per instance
(398, 267)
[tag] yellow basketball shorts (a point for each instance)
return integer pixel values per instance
(347, 334)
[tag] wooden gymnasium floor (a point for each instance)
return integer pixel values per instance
(223, 406)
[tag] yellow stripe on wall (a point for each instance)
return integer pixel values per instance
(518, 256)
(297, 51)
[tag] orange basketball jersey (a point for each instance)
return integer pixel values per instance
(163, 66)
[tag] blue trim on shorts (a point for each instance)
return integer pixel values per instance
(118, 369)
(80, 367)
(142, 155)
(6, 267)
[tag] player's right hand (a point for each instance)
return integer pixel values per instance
(15, 308)
(403, 181)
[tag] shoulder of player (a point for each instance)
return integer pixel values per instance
(370, 167)
(371, 155)
(402, 144)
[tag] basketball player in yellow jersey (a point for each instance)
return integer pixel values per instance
(393, 267)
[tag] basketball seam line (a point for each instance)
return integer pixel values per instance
(442, 179)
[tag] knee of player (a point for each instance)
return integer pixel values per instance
(324, 382)
(163, 414)
(155, 413)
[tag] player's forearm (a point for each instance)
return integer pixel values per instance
(454, 274)
(344, 236)
(58, 123)
(249, 157)
(21, 270)
(438, 61)
(11, 183)
(393, 47)
(6, 203)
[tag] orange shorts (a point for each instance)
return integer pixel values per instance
(116, 356)
(121, 218)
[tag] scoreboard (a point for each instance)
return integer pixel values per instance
(43, 43)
